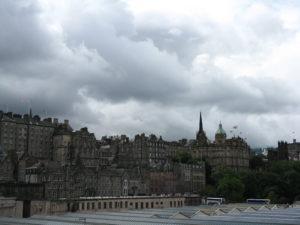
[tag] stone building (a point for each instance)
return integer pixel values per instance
(280, 153)
(174, 148)
(163, 183)
(26, 134)
(282, 150)
(294, 150)
(233, 152)
(62, 163)
(8, 163)
(143, 151)
(76, 181)
(157, 151)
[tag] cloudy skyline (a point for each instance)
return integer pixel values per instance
(129, 67)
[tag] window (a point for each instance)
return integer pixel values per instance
(93, 205)
(99, 205)
(104, 205)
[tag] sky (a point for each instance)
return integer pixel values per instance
(149, 66)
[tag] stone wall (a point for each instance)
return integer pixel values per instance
(10, 207)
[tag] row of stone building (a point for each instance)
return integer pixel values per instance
(71, 164)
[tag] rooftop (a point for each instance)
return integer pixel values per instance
(229, 214)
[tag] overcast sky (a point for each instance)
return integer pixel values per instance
(150, 66)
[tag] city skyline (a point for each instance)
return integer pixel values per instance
(234, 131)
(130, 67)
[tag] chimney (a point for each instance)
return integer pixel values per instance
(66, 122)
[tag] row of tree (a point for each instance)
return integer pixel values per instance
(279, 182)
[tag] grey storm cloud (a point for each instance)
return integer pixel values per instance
(116, 68)
(23, 36)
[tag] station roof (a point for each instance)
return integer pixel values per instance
(170, 216)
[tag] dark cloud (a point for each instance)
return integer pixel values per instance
(22, 35)
(102, 65)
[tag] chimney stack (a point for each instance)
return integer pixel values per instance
(66, 122)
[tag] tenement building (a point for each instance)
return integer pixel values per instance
(59, 162)
(27, 134)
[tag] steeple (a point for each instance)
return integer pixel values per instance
(201, 136)
(30, 112)
(200, 124)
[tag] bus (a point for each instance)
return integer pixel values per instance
(258, 201)
(215, 201)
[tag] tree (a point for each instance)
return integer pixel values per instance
(256, 163)
(208, 174)
(250, 181)
(221, 172)
(280, 183)
(209, 190)
(184, 157)
(231, 188)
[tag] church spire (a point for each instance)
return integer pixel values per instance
(30, 112)
(200, 124)
(201, 136)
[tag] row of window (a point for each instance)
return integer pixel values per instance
(125, 204)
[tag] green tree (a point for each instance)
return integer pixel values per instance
(250, 181)
(184, 157)
(272, 195)
(231, 188)
(221, 172)
(256, 163)
(210, 191)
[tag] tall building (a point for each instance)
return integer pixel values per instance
(233, 152)
(26, 134)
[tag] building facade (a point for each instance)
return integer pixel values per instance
(233, 152)
(72, 164)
